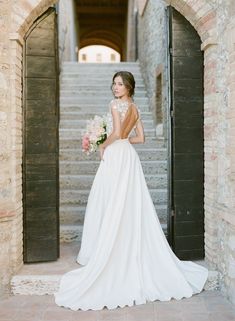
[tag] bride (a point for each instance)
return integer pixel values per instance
(125, 256)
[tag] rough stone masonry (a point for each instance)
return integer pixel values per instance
(214, 21)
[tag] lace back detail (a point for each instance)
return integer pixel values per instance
(122, 107)
(129, 115)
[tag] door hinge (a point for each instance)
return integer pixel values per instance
(172, 212)
(170, 50)
(172, 113)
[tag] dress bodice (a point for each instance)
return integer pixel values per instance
(122, 107)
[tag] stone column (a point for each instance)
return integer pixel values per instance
(68, 31)
(131, 31)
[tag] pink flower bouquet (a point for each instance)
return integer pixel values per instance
(95, 133)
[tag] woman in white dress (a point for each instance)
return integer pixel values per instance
(125, 256)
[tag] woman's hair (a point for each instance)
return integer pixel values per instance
(128, 81)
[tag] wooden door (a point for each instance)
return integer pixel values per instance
(40, 155)
(187, 156)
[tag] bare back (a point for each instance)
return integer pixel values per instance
(129, 115)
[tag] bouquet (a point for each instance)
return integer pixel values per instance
(96, 132)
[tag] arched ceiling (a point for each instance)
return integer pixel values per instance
(102, 22)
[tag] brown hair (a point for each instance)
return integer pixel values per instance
(128, 81)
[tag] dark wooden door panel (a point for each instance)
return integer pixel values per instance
(41, 89)
(43, 245)
(40, 66)
(40, 163)
(187, 139)
(41, 140)
(188, 167)
(185, 64)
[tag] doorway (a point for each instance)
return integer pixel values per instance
(187, 140)
(41, 141)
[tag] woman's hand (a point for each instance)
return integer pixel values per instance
(101, 149)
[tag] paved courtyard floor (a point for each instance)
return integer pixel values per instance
(206, 306)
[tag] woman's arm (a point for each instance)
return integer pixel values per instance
(139, 130)
(116, 128)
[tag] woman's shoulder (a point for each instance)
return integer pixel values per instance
(113, 104)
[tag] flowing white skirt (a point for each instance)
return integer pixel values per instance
(126, 257)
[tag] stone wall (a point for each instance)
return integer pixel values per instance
(225, 145)
(152, 41)
(131, 31)
(68, 31)
(15, 20)
(215, 24)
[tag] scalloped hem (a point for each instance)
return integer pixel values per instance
(132, 302)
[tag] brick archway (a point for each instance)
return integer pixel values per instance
(23, 16)
(200, 14)
(102, 37)
(31, 14)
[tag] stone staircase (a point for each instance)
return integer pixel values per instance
(85, 91)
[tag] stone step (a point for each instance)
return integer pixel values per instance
(74, 214)
(71, 233)
(77, 132)
(100, 64)
(88, 167)
(44, 278)
(99, 72)
(95, 110)
(144, 154)
(94, 66)
(81, 182)
(150, 142)
(81, 123)
(75, 197)
(106, 83)
(71, 113)
(94, 87)
(93, 92)
(96, 102)
(96, 72)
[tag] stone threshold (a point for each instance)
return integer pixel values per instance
(44, 278)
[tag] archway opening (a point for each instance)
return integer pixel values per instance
(98, 54)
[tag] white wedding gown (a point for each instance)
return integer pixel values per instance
(126, 257)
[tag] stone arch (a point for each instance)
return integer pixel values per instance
(33, 14)
(102, 37)
(23, 15)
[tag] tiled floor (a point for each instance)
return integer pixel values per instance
(206, 306)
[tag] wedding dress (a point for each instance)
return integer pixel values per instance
(126, 257)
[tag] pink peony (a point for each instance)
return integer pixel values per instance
(85, 143)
